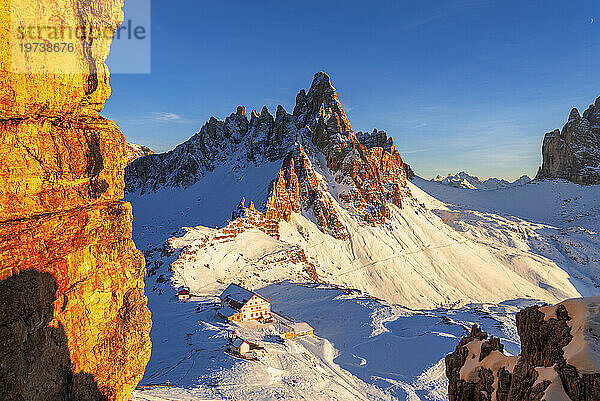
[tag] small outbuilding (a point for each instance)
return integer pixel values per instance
(240, 346)
(298, 329)
(184, 294)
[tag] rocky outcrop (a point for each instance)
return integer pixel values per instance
(560, 358)
(299, 182)
(469, 378)
(246, 218)
(135, 151)
(73, 317)
(410, 174)
(366, 169)
(574, 153)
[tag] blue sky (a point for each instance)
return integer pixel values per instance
(461, 85)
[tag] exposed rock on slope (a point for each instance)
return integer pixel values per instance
(366, 165)
(574, 153)
(560, 358)
(410, 174)
(73, 318)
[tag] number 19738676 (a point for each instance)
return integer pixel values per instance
(48, 47)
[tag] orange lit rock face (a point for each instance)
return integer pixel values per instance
(304, 187)
(50, 164)
(366, 164)
(61, 179)
(77, 83)
(100, 299)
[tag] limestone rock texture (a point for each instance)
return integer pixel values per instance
(573, 153)
(74, 324)
(560, 358)
(74, 84)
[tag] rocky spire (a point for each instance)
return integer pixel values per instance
(574, 115)
(377, 139)
(241, 111)
(321, 99)
(592, 114)
(574, 153)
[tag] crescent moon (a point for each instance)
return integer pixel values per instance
(591, 20)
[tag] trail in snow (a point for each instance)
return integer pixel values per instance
(366, 346)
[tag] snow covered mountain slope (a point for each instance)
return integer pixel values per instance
(553, 202)
(414, 260)
(342, 213)
(466, 181)
(378, 349)
(364, 350)
(557, 222)
(389, 273)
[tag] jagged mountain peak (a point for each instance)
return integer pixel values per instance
(318, 119)
(467, 181)
(320, 108)
(135, 151)
(573, 153)
(241, 111)
(574, 115)
(364, 171)
(321, 92)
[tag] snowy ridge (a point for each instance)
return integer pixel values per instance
(235, 142)
(466, 181)
(135, 151)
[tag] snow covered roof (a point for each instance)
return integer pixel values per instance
(238, 342)
(226, 311)
(301, 327)
(238, 294)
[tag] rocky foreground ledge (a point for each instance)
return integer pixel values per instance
(559, 361)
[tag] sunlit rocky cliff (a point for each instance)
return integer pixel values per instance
(73, 318)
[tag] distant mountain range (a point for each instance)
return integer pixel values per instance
(466, 181)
